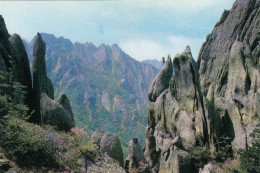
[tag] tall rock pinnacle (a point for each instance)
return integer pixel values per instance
(161, 81)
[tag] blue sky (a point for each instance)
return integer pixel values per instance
(145, 29)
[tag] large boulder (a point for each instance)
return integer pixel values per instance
(53, 113)
(65, 102)
(136, 161)
(97, 136)
(111, 145)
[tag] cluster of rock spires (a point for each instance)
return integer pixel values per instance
(40, 92)
(205, 101)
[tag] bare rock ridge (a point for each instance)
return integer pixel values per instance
(214, 98)
(40, 92)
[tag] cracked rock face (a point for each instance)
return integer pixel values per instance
(215, 98)
(176, 120)
(229, 63)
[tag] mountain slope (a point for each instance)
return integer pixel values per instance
(107, 88)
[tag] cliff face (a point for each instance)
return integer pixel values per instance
(229, 65)
(214, 98)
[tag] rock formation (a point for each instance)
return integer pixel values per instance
(136, 161)
(161, 81)
(215, 98)
(48, 111)
(176, 120)
(21, 69)
(14, 59)
(53, 113)
(109, 144)
(229, 65)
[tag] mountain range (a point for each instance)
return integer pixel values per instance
(107, 88)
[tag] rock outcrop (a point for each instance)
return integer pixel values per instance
(108, 143)
(48, 111)
(14, 59)
(229, 65)
(214, 99)
(176, 120)
(21, 67)
(161, 81)
(53, 113)
(136, 161)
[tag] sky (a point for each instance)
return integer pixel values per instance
(144, 29)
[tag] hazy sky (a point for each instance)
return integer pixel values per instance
(145, 29)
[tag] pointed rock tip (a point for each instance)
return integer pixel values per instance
(186, 51)
(39, 40)
(163, 60)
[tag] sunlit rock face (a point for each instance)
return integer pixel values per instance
(214, 98)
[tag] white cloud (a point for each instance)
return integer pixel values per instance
(148, 49)
(180, 5)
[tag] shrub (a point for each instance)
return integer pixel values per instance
(32, 145)
(200, 156)
(250, 158)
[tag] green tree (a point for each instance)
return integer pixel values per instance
(250, 158)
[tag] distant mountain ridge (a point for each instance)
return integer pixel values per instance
(107, 88)
(154, 62)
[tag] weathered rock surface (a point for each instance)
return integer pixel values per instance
(48, 111)
(65, 102)
(108, 144)
(136, 161)
(55, 114)
(103, 164)
(216, 98)
(111, 145)
(21, 67)
(176, 120)
(161, 81)
(229, 63)
(14, 59)
(97, 136)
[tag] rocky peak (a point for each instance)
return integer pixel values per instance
(21, 67)
(161, 81)
(4, 35)
(241, 23)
